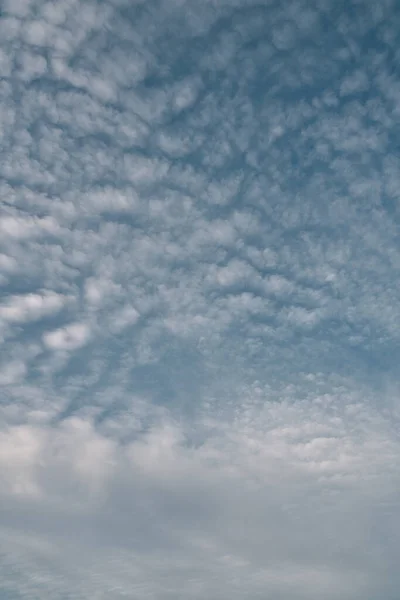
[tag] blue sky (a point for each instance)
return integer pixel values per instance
(199, 299)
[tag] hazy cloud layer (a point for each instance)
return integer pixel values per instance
(199, 299)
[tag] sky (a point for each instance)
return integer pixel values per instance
(199, 299)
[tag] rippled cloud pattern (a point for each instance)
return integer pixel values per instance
(199, 299)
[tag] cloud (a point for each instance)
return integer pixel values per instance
(229, 505)
(199, 322)
(31, 306)
(70, 337)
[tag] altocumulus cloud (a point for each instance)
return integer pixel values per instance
(199, 299)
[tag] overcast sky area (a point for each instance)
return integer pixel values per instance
(199, 300)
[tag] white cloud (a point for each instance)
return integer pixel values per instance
(287, 472)
(123, 318)
(70, 337)
(12, 373)
(20, 227)
(199, 321)
(7, 263)
(186, 93)
(30, 307)
(20, 8)
(32, 66)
